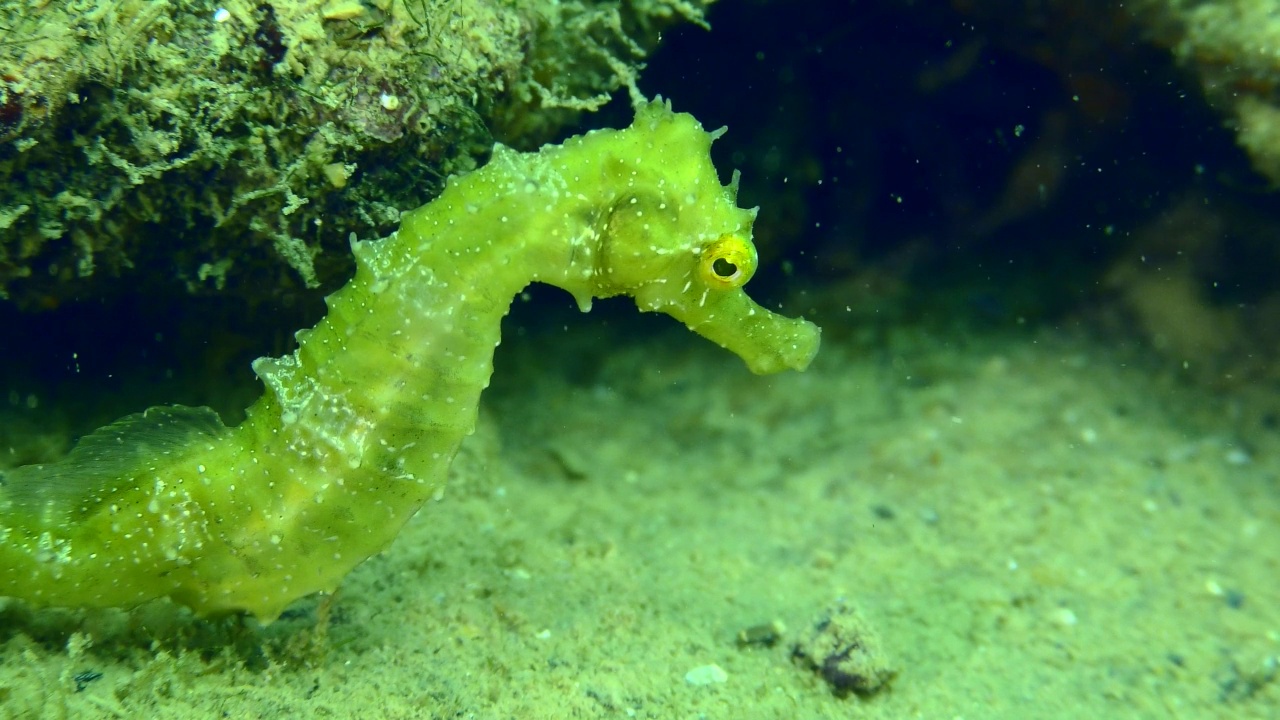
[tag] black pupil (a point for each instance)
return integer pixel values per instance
(724, 268)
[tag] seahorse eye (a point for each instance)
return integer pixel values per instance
(723, 268)
(728, 262)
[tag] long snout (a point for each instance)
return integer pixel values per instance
(766, 341)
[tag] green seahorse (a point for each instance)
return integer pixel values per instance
(358, 426)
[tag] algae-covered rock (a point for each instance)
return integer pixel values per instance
(1233, 48)
(235, 146)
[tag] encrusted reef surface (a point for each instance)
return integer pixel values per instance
(1233, 47)
(237, 144)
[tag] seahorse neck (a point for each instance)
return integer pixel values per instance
(407, 346)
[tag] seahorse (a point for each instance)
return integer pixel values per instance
(357, 427)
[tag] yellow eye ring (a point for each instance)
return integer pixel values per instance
(727, 263)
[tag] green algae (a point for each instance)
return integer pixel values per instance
(190, 135)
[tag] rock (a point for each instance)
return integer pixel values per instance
(845, 652)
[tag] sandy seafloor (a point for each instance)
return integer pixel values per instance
(1034, 523)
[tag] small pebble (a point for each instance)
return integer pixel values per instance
(1236, 456)
(763, 635)
(706, 675)
(1064, 617)
(343, 10)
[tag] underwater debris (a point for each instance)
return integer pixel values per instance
(846, 653)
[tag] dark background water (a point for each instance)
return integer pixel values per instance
(950, 164)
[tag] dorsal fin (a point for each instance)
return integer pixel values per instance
(102, 460)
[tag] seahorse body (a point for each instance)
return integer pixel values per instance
(358, 426)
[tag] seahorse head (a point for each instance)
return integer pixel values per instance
(675, 240)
